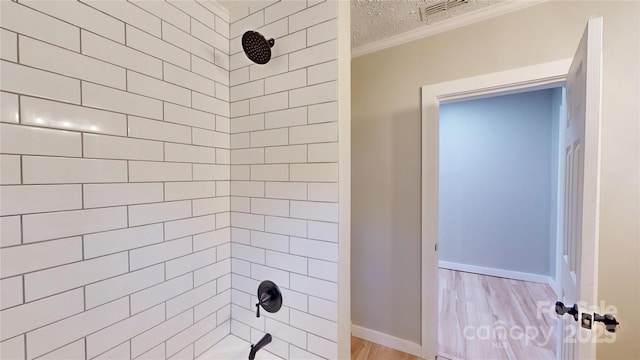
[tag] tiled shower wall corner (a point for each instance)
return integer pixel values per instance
(284, 177)
(115, 179)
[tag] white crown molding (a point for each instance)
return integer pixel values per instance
(444, 25)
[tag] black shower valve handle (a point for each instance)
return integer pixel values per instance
(265, 297)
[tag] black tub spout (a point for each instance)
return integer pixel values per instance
(266, 339)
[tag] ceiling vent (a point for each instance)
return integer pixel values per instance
(439, 7)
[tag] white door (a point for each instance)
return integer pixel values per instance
(581, 151)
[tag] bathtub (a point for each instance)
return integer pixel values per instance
(234, 348)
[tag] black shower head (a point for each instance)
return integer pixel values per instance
(256, 47)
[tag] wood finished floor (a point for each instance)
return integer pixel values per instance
(366, 350)
(491, 302)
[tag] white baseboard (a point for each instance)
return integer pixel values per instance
(387, 340)
(516, 275)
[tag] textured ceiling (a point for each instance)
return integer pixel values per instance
(373, 20)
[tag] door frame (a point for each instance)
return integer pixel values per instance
(528, 78)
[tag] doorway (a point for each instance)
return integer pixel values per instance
(498, 201)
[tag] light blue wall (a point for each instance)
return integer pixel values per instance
(497, 182)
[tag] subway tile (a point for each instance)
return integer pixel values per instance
(221, 25)
(223, 188)
(166, 12)
(283, 9)
(321, 211)
(210, 172)
(268, 103)
(55, 225)
(185, 354)
(270, 138)
(27, 258)
(118, 54)
(285, 226)
(247, 156)
(277, 65)
(287, 333)
(314, 325)
(209, 70)
(189, 80)
(269, 241)
(158, 334)
(323, 231)
(189, 153)
(247, 221)
(286, 190)
(322, 250)
(248, 253)
(270, 207)
(314, 15)
(239, 108)
(115, 100)
(287, 81)
(121, 351)
(243, 268)
(211, 138)
(190, 298)
(290, 43)
(322, 32)
(140, 171)
(222, 92)
(159, 89)
(320, 113)
(158, 130)
(240, 172)
(24, 20)
(239, 76)
(158, 253)
(288, 262)
(207, 34)
(326, 152)
(314, 94)
(210, 104)
(213, 337)
(262, 273)
(190, 226)
(221, 59)
(247, 317)
(323, 347)
(286, 154)
(189, 190)
(115, 147)
(10, 291)
(156, 352)
(24, 318)
(240, 204)
(248, 23)
(223, 156)
(9, 111)
(323, 72)
(314, 172)
(160, 293)
(210, 205)
(211, 272)
(30, 81)
(297, 353)
(323, 270)
(52, 58)
(129, 14)
(54, 114)
(320, 288)
(121, 240)
(153, 213)
(47, 170)
(323, 192)
(196, 11)
(247, 123)
(73, 351)
(244, 284)
(314, 55)
(278, 172)
(152, 45)
(109, 337)
(187, 42)
(240, 141)
(39, 198)
(224, 250)
(241, 330)
(107, 290)
(10, 170)
(27, 140)
(247, 90)
(186, 116)
(10, 230)
(189, 336)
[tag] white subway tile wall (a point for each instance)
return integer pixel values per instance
(115, 208)
(151, 176)
(284, 177)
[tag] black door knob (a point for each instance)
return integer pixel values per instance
(561, 309)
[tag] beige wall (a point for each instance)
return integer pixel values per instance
(386, 154)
